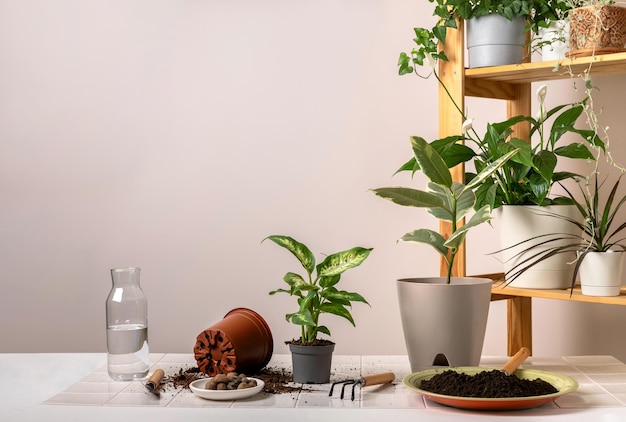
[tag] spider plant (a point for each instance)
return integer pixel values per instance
(598, 224)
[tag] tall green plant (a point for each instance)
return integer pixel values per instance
(316, 292)
(529, 176)
(445, 199)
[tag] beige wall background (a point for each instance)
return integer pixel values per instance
(176, 135)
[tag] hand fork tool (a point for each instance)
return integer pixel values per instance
(382, 378)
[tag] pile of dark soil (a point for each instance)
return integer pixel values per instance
(276, 380)
(316, 342)
(486, 384)
(182, 379)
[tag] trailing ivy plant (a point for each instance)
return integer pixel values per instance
(537, 13)
(316, 291)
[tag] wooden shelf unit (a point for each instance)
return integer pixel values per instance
(511, 83)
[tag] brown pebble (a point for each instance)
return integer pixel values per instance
(220, 378)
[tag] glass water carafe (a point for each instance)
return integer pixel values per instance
(127, 326)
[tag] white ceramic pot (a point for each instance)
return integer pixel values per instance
(444, 324)
(555, 40)
(493, 40)
(601, 273)
(518, 223)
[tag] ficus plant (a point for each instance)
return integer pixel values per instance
(316, 292)
(444, 198)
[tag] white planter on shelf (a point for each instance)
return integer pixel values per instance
(519, 223)
(493, 40)
(555, 41)
(601, 273)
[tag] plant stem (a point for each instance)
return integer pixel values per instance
(445, 88)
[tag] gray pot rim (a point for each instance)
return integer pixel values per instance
(442, 281)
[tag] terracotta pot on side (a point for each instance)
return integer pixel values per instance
(241, 342)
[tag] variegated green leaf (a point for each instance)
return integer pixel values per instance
(323, 329)
(481, 216)
(299, 250)
(296, 282)
(430, 162)
(339, 262)
(345, 297)
(446, 211)
(302, 318)
(490, 169)
(429, 237)
(410, 197)
(337, 309)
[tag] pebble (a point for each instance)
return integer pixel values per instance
(230, 381)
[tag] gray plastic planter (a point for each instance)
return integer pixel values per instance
(444, 324)
(494, 41)
(311, 364)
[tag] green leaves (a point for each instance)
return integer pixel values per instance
(300, 251)
(430, 162)
(319, 295)
(595, 223)
(445, 199)
(528, 177)
(337, 263)
(427, 41)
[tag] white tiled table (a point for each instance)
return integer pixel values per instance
(76, 386)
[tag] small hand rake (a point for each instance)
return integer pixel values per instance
(383, 378)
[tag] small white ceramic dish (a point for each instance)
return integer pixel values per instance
(197, 387)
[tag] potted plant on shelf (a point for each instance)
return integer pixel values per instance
(600, 253)
(551, 34)
(521, 189)
(317, 294)
(495, 30)
(443, 318)
(596, 27)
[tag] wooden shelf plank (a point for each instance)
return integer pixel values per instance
(501, 291)
(606, 64)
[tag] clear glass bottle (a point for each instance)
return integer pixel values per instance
(127, 326)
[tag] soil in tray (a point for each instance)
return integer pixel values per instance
(485, 384)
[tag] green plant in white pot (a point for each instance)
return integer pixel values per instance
(600, 246)
(317, 294)
(522, 189)
(513, 18)
(443, 318)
